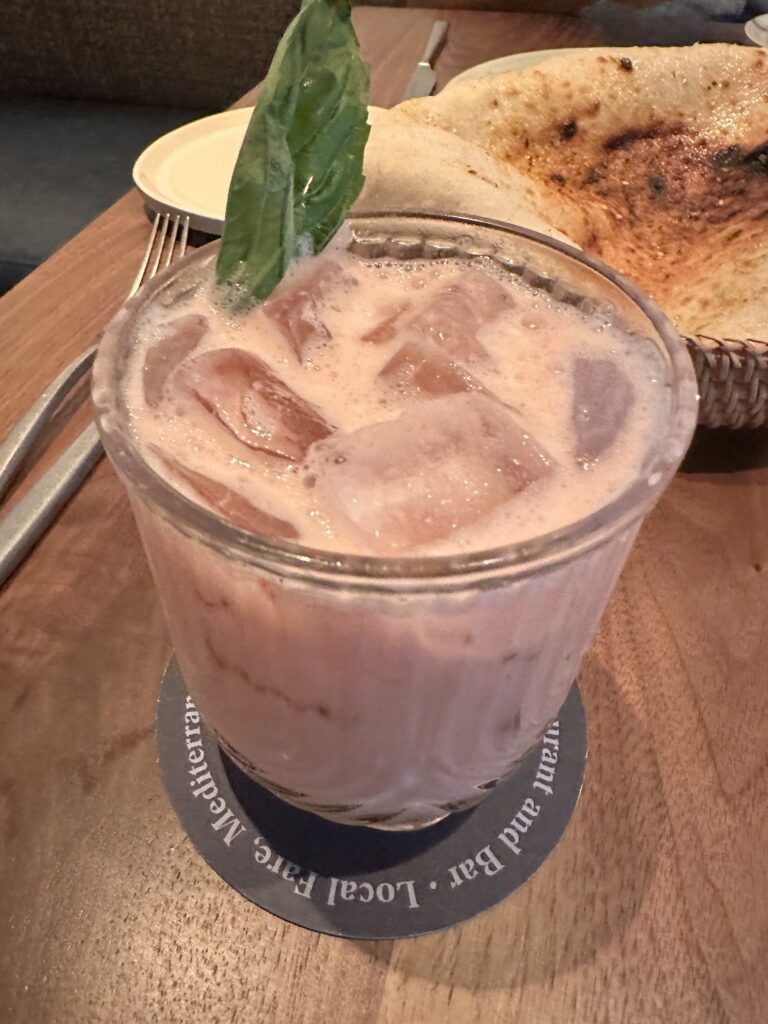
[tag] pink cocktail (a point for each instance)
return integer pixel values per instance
(385, 510)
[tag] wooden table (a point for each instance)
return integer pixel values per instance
(654, 908)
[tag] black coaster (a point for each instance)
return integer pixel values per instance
(365, 883)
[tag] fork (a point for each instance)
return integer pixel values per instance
(28, 520)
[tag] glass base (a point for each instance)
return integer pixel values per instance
(352, 814)
(365, 883)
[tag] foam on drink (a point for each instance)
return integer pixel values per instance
(370, 407)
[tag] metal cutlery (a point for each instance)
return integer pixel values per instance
(424, 78)
(28, 520)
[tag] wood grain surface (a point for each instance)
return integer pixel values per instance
(654, 908)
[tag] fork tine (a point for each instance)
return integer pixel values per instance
(147, 253)
(184, 237)
(164, 221)
(172, 242)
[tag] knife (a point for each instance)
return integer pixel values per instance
(424, 78)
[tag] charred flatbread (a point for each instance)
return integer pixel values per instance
(654, 159)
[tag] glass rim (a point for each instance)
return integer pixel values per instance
(519, 559)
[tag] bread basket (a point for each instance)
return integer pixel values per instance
(733, 381)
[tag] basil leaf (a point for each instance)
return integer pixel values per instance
(300, 167)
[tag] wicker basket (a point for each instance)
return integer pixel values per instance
(733, 381)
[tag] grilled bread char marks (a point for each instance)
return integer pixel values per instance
(655, 159)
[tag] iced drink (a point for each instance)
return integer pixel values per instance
(385, 508)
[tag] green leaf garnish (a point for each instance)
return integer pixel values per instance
(300, 167)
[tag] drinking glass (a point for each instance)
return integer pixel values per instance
(390, 692)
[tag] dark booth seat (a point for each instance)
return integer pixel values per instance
(62, 162)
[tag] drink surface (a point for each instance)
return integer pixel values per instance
(394, 408)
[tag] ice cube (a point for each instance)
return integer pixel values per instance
(440, 466)
(454, 314)
(230, 505)
(296, 304)
(179, 339)
(421, 368)
(255, 406)
(386, 329)
(602, 398)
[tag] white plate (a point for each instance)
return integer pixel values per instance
(757, 30)
(515, 62)
(188, 170)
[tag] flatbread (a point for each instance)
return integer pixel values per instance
(653, 158)
(412, 166)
